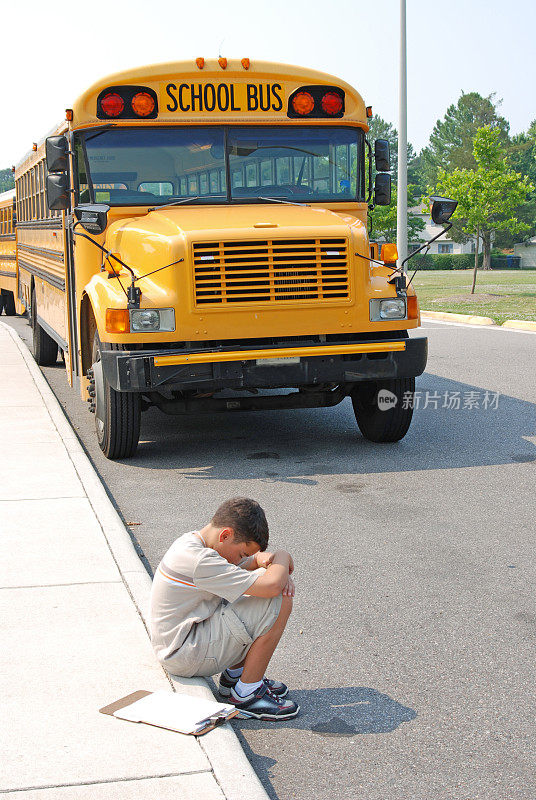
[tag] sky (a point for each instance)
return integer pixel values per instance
(52, 52)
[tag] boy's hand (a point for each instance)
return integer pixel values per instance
(289, 589)
(264, 559)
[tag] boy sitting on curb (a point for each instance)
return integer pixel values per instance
(219, 601)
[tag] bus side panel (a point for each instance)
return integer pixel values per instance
(41, 261)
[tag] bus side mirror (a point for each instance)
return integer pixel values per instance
(382, 155)
(57, 149)
(382, 189)
(58, 191)
(442, 209)
(93, 217)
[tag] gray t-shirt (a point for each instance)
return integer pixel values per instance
(188, 586)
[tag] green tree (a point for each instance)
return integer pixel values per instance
(488, 195)
(451, 141)
(384, 219)
(6, 180)
(381, 129)
(522, 158)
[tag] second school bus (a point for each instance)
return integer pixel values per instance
(204, 229)
(8, 274)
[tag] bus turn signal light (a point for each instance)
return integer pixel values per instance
(142, 104)
(117, 320)
(413, 306)
(112, 104)
(303, 103)
(332, 103)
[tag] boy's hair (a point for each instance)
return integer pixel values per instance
(246, 518)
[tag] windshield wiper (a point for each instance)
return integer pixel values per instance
(187, 200)
(220, 197)
(279, 200)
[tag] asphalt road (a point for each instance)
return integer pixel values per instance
(411, 647)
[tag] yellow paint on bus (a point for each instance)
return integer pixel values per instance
(235, 220)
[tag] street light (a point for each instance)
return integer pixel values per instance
(402, 179)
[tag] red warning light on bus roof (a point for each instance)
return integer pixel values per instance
(112, 104)
(332, 103)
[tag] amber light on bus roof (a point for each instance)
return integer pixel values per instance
(142, 104)
(303, 103)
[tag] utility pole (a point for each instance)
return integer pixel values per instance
(402, 178)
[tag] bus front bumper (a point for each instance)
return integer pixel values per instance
(267, 368)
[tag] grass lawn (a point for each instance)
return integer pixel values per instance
(499, 294)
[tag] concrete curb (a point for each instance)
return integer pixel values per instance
(469, 319)
(519, 324)
(232, 770)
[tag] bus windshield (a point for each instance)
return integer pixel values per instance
(134, 166)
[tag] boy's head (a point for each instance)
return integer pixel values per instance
(243, 528)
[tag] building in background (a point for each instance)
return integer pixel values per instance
(527, 252)
(442, 246)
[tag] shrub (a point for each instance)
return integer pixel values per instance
(444, 261)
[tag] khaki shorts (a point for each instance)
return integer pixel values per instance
(224, 638)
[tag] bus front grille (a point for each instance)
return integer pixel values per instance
(273, 271)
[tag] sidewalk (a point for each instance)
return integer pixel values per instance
(73, 596)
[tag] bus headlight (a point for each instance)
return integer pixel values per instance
(149, 320)
(390, 308)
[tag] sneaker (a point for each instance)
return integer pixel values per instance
(263, 704)
(227, 683)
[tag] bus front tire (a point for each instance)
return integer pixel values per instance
(383, 409)
(8, 302)
(44, 348)
(117, 414)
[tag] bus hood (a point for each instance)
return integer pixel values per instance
(295, 264)
(184, 224)
(248, 221)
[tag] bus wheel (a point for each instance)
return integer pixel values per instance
(117, 414)
(9, 304)
(383, 409)
(44, 348)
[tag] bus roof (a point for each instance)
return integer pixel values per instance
(225, 78)
(5, 197)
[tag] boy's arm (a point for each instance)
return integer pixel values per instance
(257, 560)
(264, 559)
(272, 582)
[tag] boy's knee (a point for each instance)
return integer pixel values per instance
(286, 605)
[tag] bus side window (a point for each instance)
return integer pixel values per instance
(159, 187)
(283, 171)
(267, 173)
(237, 178)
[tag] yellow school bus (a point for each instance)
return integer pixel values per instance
(194, 237)
(8, 273)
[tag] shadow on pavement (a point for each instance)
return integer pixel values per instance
(346, 712)
(295, 446)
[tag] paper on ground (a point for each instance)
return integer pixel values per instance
(178, 712)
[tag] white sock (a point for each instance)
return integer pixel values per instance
(234, 673)
(244, 689)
